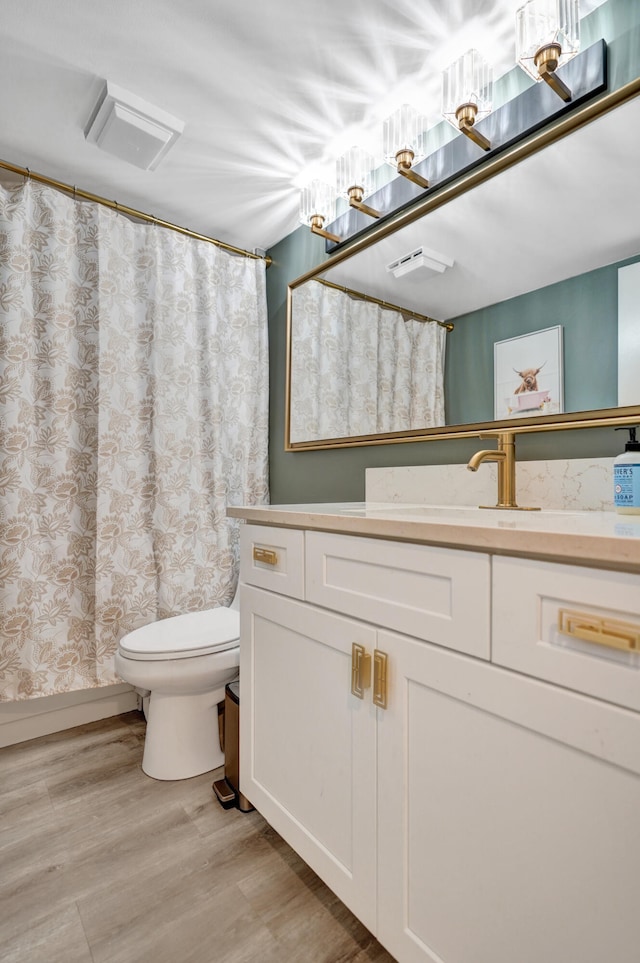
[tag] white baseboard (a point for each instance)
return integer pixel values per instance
(20, 721)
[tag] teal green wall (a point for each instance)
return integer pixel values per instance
(586, 307)
(339, 475)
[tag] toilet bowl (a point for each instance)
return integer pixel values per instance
(183, 663)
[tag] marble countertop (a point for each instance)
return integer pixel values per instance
(604, 539)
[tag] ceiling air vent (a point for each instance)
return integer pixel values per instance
(131, 129)
(422, 259)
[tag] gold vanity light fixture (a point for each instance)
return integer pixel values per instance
(354, 179)
(317, 207)
(548, 36)
(467, 95)
(403, 136)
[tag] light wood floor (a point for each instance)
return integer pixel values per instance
(101, 864)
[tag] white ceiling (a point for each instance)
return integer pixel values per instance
(268, 92)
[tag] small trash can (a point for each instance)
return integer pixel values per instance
(228, 789)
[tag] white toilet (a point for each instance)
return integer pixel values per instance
(183, 664)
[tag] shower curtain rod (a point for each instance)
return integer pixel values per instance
(129, 211)
(385, 304)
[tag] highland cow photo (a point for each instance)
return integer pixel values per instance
(528, 375)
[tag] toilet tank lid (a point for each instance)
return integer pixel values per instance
(181, 636)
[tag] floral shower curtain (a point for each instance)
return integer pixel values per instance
(133, 411)
(358, 368)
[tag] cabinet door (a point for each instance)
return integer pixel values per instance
(508, 816)
(307, 745)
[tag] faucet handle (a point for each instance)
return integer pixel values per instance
(504, 437)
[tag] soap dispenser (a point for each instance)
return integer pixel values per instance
(626, 476)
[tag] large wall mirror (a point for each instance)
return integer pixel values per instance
(511, 273)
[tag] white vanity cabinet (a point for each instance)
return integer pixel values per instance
(484, 815)
(507, 816)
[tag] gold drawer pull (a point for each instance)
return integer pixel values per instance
(380, 677)
(613, 633)
(360, 670)
(266, 555)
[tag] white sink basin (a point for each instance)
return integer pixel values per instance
(497, 518)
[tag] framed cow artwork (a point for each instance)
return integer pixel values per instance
(527, 373)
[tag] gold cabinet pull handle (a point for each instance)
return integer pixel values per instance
(380, 678)
(613, 633)
(360, 670)
(266, 555)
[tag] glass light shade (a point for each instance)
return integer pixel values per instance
(404, 129)
(317, 199)
(543, 22)
(468, 80)
(354, 169)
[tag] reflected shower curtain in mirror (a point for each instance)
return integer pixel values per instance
(133, 405)
(360, 369)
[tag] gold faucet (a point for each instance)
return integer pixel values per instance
(505, 456)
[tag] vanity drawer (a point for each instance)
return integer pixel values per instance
(577, 627)
(273, 558)
(437, 594)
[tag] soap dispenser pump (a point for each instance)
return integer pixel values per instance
(626, 476)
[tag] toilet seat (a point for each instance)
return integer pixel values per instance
(184, 636)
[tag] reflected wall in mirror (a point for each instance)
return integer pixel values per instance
(534, 244)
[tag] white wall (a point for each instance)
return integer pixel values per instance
(628, 334)
(31, 718)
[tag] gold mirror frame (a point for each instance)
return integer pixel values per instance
(597, 418)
